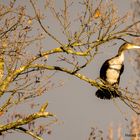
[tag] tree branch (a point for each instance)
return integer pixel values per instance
(71, 72)
(29, 133)
(38, 18)
(24, 121)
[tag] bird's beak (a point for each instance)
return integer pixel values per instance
(132, 46)
(135, 47)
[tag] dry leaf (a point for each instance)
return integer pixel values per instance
(97, 13)
(29, 21)
(1, 113)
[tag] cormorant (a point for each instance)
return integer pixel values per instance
(111, 71)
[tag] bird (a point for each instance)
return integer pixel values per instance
(111, 71)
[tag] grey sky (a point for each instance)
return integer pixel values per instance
(75, 103)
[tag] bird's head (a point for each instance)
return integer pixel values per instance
(128, 46)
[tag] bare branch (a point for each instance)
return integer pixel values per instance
(28, 132)
(25, 121)
(38, 18)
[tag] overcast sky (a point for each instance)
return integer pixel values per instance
(75, 103)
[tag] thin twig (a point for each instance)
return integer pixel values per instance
(29, 133)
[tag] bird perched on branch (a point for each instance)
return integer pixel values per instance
(111, 71)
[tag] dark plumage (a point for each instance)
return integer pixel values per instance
(107, 93)
(111, 71)
(106, 66)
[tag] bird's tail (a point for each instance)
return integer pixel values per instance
(107, 94)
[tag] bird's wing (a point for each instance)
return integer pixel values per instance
(105, 67)
(122, 69)
(103, 70)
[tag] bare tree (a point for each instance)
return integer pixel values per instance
(32, 51)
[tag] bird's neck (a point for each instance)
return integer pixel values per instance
(121, 55)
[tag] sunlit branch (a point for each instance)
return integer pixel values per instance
(71, 72)
(25, 121)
